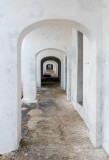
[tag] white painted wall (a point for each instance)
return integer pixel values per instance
(86, 81)
(88, 110)
(85, 16)
(105, 75)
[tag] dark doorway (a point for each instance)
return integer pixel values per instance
(80, 70)
(49, 66)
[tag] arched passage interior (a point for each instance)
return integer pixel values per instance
(57, 54)
(52, 65)
(50, 79)
(94, 130)
(74, 32)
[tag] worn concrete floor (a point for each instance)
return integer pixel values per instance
(51, 72)
(56, 132)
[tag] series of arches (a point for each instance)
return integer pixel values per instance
(54, 66)
(52, 59)
(31, 94)
(92, 45)
(62, 54)
(94, 129)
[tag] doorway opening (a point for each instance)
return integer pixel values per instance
(59, 75)
(50, 71)
(80, 69)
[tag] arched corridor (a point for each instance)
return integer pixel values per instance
(54, 67)
(49, 76)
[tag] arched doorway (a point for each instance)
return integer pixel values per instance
(47, 78)
(85, 31)
(94, 130)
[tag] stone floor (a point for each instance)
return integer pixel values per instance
(51, 72)
(55, 131)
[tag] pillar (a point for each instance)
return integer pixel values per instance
(29, 79)
(10, 110)
(69, 78)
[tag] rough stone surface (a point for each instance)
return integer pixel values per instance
(56, 132)
(25, 116)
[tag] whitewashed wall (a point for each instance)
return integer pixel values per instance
(87, 110)
(105, 75)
